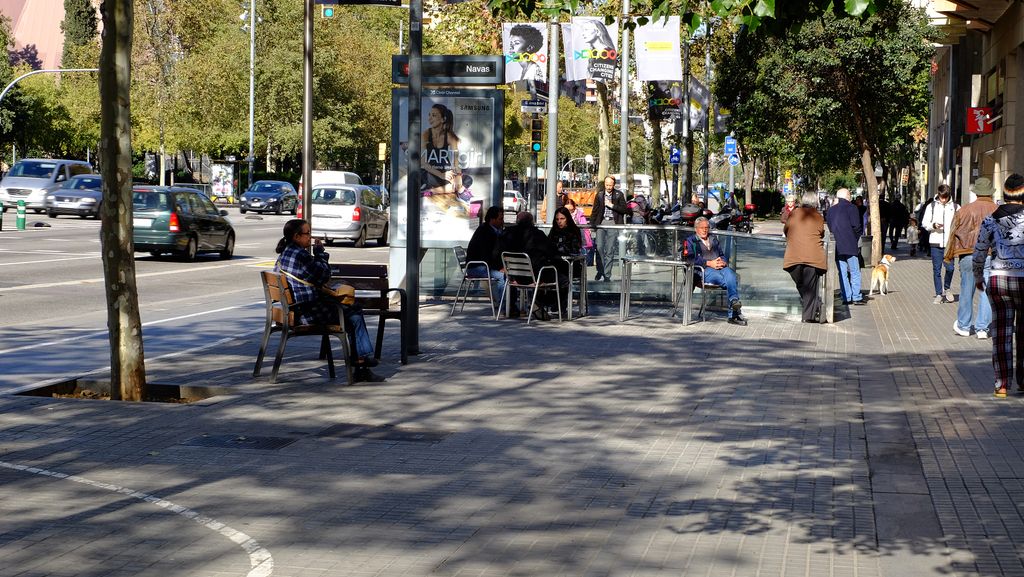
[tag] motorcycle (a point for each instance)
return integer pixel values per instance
(732, 218)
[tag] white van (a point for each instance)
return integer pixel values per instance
(642, 184)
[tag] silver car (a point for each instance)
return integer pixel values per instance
(81, 196)
(32, 179)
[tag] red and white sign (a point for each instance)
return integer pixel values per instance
(977, 120)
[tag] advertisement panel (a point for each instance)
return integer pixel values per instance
(658, 51)
(222, 181)
(666, 99)
(461, 160)
(594, 54)
(525, 47)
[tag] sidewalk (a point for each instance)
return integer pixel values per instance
(868, 447)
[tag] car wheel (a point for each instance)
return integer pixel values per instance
(361, 241)
(295, 209)
(241, 210)
(191, 250)
(37, 210)
(51, 214)
(383, 240)
(229, 248)
(155, 253)
(83, 216)
(280, 209)
(96, 215)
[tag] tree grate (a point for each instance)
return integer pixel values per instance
(239, 442)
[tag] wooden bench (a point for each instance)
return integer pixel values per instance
(373, 294)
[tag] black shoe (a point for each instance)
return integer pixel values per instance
(860, 302)
(738, 320)
(513, 314)
(367, 362)
(365, 375)
(736, 305)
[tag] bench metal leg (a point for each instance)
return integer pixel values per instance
(263, 351)
(280, 355)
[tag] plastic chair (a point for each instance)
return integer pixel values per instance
(281, 318)
(519, 269)
(468, 281)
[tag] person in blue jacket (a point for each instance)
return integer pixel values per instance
(703, 249)
(844, 222)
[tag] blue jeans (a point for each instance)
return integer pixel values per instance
(497, 279)
(355, 326)
(965, 308)
(724, 277)
(937, 266)
(849, 278)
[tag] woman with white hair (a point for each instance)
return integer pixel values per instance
(788, 208)
(805, 253)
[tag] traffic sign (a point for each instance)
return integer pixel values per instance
(534, 106)
(787, 187)
(730, 145)
(734, 159)
(674, 155)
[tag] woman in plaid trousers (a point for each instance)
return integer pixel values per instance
(1001, 239)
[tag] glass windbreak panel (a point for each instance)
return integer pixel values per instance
(149, 201)
(33, 169)
(334, 196)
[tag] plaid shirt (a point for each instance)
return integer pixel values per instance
(310, 268)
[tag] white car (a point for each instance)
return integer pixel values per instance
(514, 202)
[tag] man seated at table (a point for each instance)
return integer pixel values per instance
(703, 249)
(484, 247)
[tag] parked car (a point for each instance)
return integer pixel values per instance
(348, 211)
(514, 201)
(32, 179)
(80, 195)
(181, 221)
(275, 196)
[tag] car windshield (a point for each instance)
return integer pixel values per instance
(33, 169)
(266, 187)
(149, 200)
(90, 183)
(336, 196)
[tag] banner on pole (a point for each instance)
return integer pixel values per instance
(594, 54)
(658, 51)
(525, 47)
(666, 101)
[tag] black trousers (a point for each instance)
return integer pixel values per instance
(807, 278)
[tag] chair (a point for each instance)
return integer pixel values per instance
(468, 281)
(281, 318)
(698, 283)
(520, 273)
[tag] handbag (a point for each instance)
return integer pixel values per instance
(343, 293)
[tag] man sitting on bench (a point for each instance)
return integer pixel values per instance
(704, 250)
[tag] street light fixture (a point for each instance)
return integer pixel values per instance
(588, 158)
(250, 14)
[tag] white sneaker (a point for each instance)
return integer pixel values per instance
(948, 296)
(960, 331)
(938, 300)
(982, 334)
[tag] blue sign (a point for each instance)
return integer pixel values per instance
(730, 145)
(674, 156)
(734, 159)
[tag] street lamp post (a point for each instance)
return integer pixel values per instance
(589, 158)
(252, 84)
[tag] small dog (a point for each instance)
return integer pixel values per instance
(880, 275)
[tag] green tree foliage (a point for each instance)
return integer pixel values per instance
(80, 29)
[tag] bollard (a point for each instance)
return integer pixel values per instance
(20, 221)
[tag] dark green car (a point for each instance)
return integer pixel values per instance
(181, 221)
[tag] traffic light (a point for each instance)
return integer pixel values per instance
(327, 11)
(536, 134)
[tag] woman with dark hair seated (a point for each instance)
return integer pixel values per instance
(306, 274)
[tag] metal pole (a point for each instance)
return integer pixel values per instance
(534, 187)
(51, 71)
(627, 179)
(252, 83)
(413, 197)
(707, 113)
(552, 152)
(687, 144)
(307, 111)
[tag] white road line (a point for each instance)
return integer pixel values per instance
(261, 562)
(27, 262)
(242, 262)
(144, 325)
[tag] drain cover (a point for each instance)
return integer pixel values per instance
(240, 442)
(382, 433)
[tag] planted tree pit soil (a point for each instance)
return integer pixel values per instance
(155, 393)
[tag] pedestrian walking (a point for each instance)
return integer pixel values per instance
(1000, 238)
(963, 235)
(938, 220)
(805, 253)
(844, 220)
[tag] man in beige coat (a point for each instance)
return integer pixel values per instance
(805, 253)
(963, 234)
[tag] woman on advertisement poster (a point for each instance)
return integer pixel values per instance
(442, 177)
(526, 46)
(593, 45)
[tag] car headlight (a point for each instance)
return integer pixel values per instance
(243, 199)
(50, 197)
(88, 200)
(274, 199)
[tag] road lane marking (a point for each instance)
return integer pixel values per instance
(244, 262)
(144, 325)
(261, 562)
(92, 256)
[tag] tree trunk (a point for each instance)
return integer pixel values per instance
(658, 168)
(603, 133)
(127, 366)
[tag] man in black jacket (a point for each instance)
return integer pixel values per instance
(484, 247)
(611, 202)
(527, 238)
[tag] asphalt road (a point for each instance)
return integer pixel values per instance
(53, 311)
